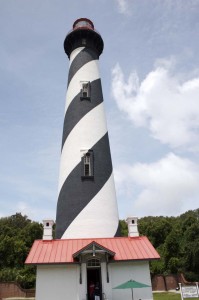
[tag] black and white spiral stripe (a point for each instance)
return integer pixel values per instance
(86, 208)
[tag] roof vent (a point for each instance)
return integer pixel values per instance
(48, 229)
(132, 226)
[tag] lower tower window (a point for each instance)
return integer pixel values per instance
(87, 165)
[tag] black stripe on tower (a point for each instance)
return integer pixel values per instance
(86, 55)
(78, 108)
(72, 200)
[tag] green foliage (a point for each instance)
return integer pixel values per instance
(155, 228)
(173, 265)
(17, 234)
(177, 241)
(123, 228)
(191, 276)
(24, 276)
(157, 267)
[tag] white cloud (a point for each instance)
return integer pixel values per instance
(161, 103)
(35, 213)
(123, 6)
(166, 187)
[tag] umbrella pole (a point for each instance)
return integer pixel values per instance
(132, 293)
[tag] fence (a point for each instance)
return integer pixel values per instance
(13, 289)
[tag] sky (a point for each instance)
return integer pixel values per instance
(150, 78)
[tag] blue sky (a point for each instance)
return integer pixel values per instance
(150, 76)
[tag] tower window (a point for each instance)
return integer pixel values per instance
(85, 91)
(87, 165)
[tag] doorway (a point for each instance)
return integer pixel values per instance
(93, 278)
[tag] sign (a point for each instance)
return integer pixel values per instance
(189, 291)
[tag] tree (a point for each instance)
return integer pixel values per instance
(155, 228)
(177, 241)
(17, 234)
(123, 228)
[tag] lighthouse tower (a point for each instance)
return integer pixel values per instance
(87, 205)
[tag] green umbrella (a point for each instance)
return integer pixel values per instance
(131, 284)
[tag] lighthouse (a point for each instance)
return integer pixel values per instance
(87, 205)
(86, 249)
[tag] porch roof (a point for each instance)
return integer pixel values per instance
(62, 251)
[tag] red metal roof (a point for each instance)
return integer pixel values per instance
(61, 251)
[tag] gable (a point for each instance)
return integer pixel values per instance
(93, 248)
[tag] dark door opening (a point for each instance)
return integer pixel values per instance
(94, 277)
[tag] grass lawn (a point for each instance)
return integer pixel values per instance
(166, 296)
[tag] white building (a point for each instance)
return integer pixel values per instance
(65, 267)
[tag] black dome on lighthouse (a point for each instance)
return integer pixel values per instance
(83, 34)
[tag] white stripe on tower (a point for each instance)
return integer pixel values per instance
(83, 136)
(87, 204)
(89, 72)
(74, 54)
(104, 204)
